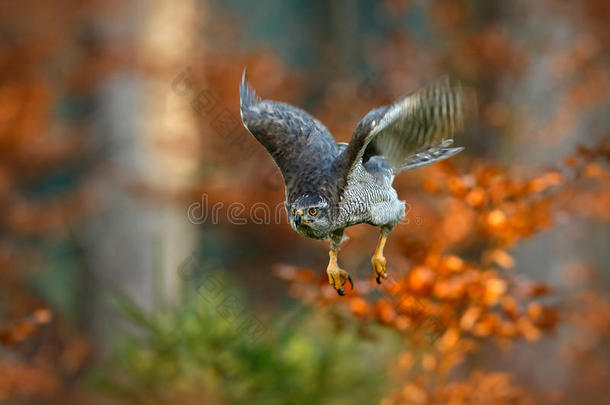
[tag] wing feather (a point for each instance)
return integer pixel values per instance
(414, 131)
(296, 141)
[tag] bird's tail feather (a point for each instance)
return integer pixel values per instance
(427, 157)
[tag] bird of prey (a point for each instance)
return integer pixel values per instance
(331, 186)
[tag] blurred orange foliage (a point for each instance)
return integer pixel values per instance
(37, 351)
(446, 305)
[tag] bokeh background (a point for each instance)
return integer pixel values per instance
(141, 257)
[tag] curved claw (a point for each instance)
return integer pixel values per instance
(379, 262)
(351, 283)
(337, 278)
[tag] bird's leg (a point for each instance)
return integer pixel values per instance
(337, 277)
(378, 260)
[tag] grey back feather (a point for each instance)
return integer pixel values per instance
(414, 131)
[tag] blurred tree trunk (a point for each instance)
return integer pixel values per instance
(137, 243)
(168, 43)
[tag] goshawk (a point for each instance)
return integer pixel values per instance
(330, 186)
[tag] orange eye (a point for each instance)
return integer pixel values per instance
(294, 211)
(313, 212)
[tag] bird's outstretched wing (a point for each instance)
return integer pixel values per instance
(414, 131)
(297, 141)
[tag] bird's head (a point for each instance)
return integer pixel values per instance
(309, 215)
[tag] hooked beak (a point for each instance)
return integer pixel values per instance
(298, 217)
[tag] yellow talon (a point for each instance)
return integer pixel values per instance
(379, 261)
(337, 277)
